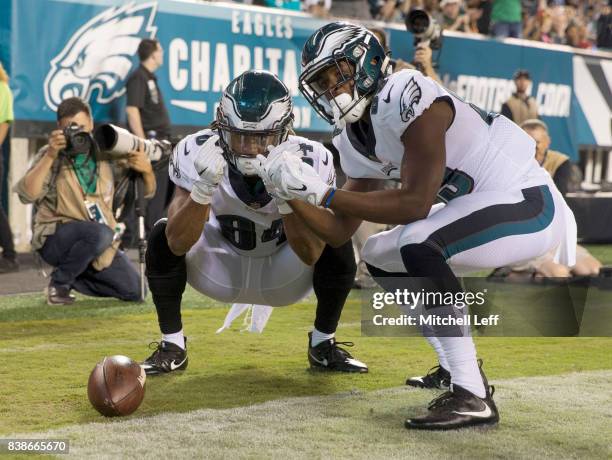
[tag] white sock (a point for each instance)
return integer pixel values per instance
(318, 337)
(437, 346)
(177, 338)
(460, 353)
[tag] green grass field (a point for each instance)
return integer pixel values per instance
(251, 396)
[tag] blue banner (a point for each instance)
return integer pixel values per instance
(59, 48)
(89, 49)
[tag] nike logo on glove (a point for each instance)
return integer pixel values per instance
(186, 152)
(202, 171)
(303, 189)
(174, 366)
(486, 412)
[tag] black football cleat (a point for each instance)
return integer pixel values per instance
(458, 408)
(167, 357)
(437, 378)
(455, 409)
(328, 356)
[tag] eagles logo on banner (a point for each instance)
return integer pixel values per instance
(99, 56)
(411, 95)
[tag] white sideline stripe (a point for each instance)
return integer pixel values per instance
(286, 426)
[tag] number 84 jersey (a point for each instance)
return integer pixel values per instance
(484, 151)
(245, 214)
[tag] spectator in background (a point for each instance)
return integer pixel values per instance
(391, 10)
(559, 25)
(475, 12)
(576, 36)
(8, 262)
(506, 19)
(539, 27)
(318, 8)
(359, 9)
(565, 174)
(604, 28)
(453, 17)
(520, 106)
(148, 118)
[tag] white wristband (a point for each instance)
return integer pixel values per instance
(283, 206)
(202, 193)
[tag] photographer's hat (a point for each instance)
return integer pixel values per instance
(521, 73)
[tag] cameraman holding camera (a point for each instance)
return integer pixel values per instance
(74, 228)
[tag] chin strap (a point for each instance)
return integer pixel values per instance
(386, 68)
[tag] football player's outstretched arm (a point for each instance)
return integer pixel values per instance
(422, 173)
(335, 228)
(302, 240)
(186, 219)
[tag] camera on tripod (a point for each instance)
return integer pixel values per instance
(78, 141)
(116, 142)
(424, 28)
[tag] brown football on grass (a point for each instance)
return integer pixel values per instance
(116, 386)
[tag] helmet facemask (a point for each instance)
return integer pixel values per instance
(241, 146)
(255, 112)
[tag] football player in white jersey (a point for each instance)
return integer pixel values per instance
(499, 206)
(233, 242)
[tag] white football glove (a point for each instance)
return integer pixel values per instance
(210, 167)
(270, 166)
(294, 179)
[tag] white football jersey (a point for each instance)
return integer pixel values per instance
(484, 151)
(248, 219)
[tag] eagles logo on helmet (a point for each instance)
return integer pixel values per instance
(255, 111)
(338, 44)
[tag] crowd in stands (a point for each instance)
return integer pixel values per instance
(583, 24)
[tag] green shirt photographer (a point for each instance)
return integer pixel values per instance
(68, 186)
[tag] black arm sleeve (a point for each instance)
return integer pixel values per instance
(506, 112)
(136, 90)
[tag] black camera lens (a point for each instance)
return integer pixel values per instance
(417, 22)
(81, 143)
(77, 140)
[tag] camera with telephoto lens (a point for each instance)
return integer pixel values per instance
(424, 28)
(77, 140)
(116, 142)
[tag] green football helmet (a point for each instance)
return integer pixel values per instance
(360, 60)
(255, 111)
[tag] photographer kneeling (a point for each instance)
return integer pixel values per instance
(74, 227)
